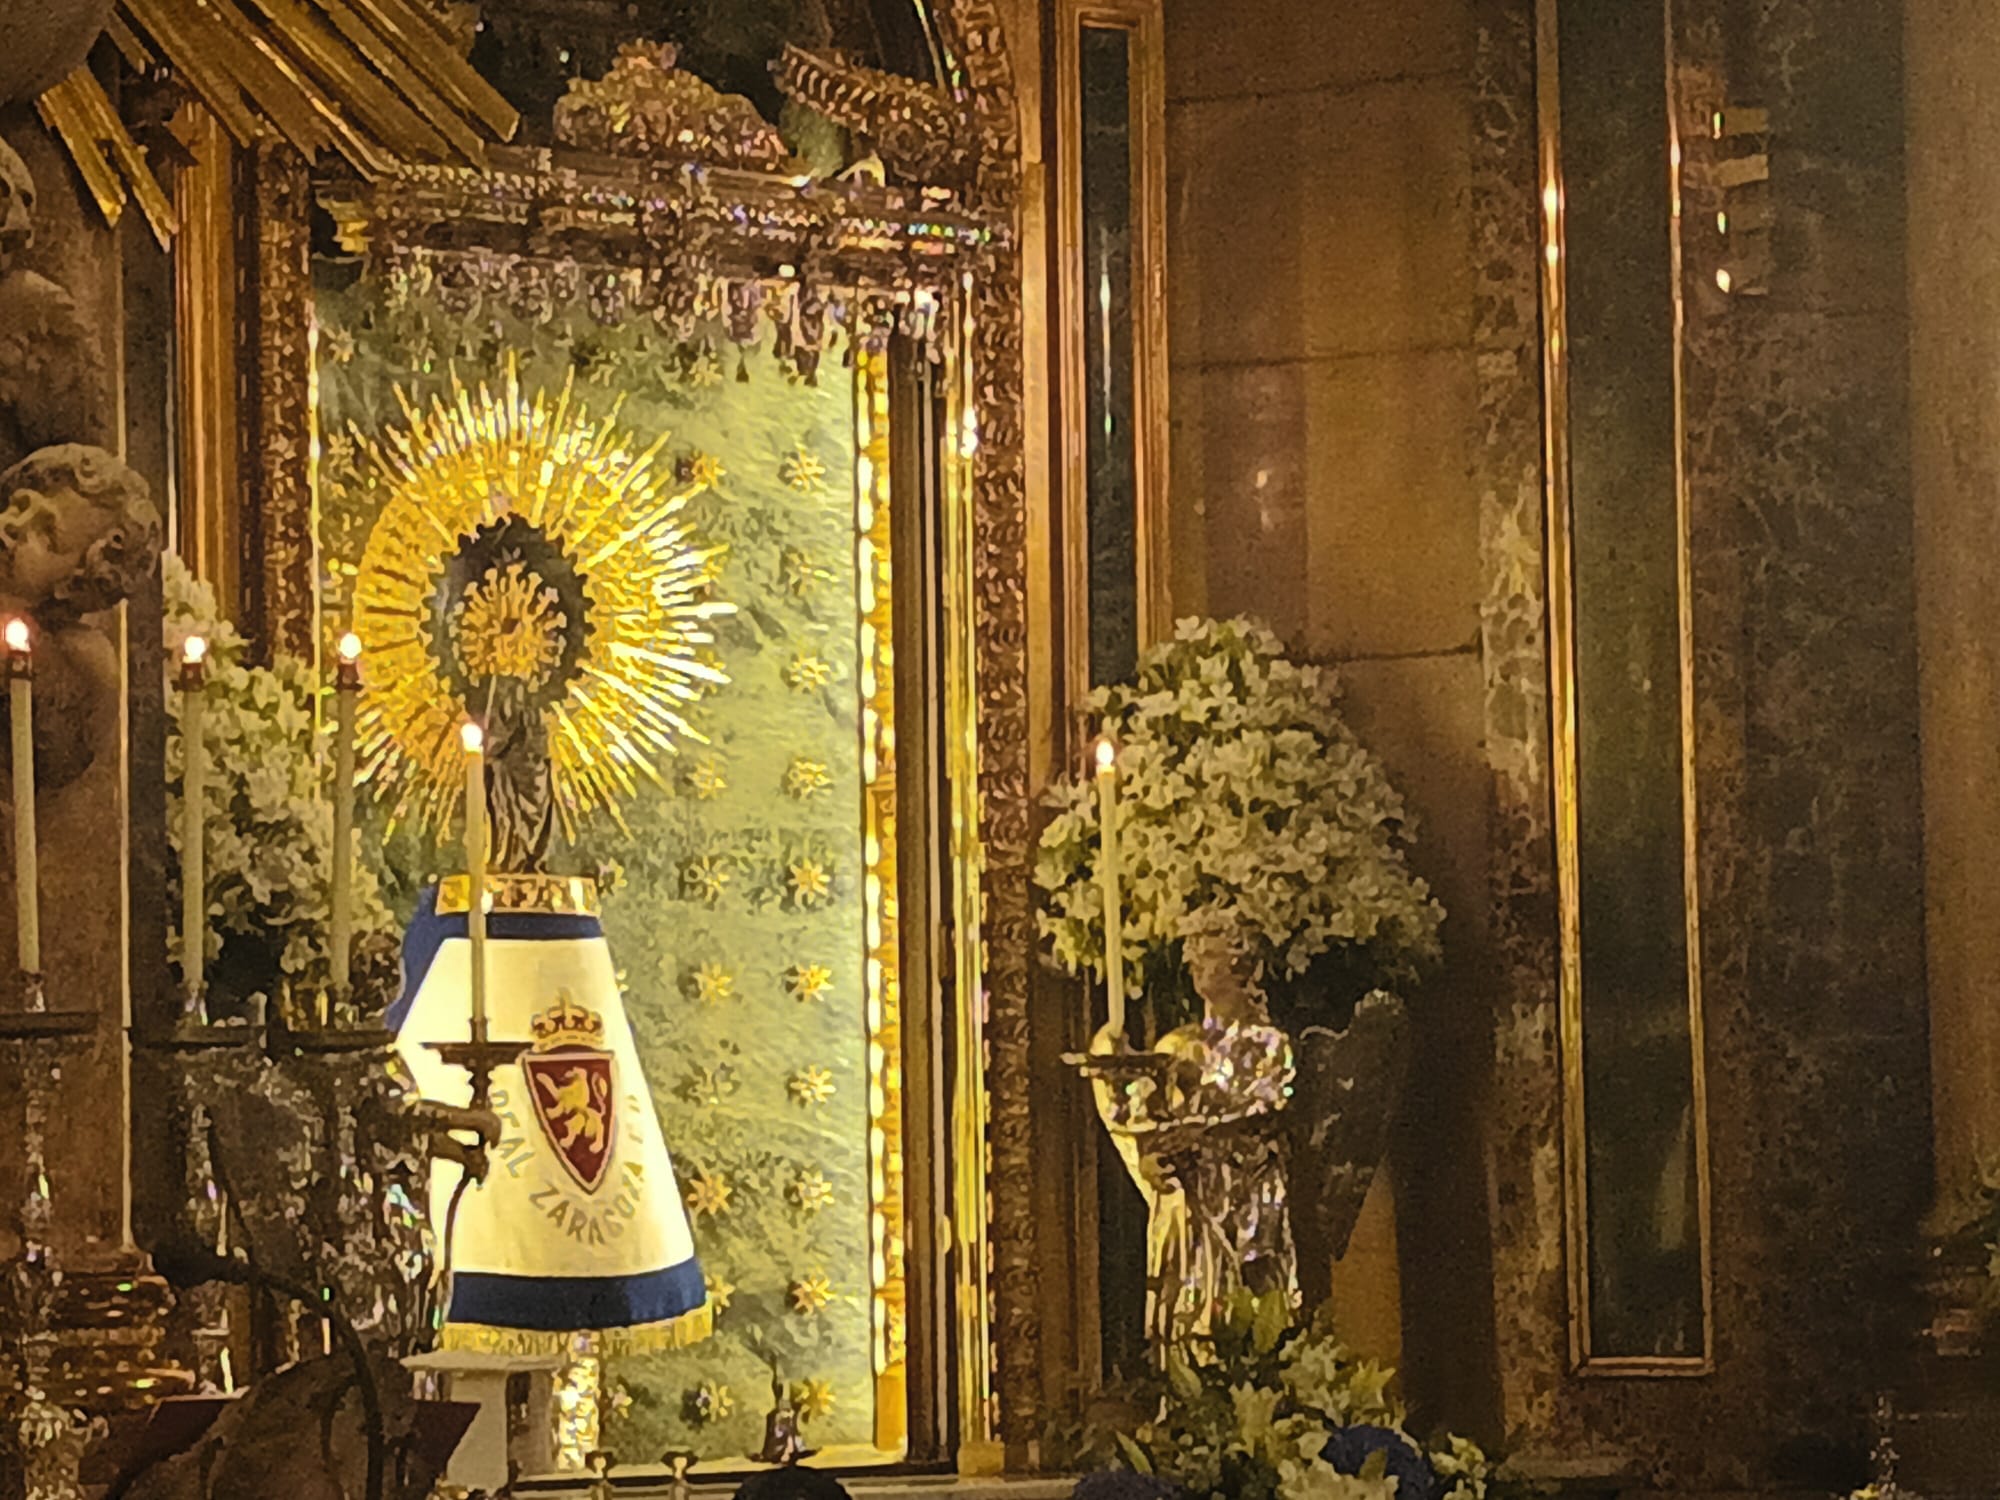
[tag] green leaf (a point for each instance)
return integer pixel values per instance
(1134, 1455)
(1181, 1379)
(1375, 1465)
(1274, 1315)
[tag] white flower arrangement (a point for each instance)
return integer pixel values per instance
(268, 824)
(1246, 803)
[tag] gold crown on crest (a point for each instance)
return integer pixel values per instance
(567, 1024)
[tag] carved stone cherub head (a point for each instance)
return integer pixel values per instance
(78, 532)
(17, 206)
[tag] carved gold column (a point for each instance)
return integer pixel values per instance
(972, 35)
(280, 524)
(207, 507)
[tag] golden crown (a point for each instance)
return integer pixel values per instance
(566, 1023)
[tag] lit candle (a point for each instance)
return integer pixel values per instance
(346, 689)
(1108, 879)
(194, 775)
(474, 740)
(27, 869)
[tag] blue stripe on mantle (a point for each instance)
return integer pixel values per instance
(428, 932)
(560, 1304)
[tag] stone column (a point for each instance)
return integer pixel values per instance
(1952, 58)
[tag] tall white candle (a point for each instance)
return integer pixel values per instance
(1109, 879)
(27, 867)
(194, 778)
(474, 740)
(346, 689)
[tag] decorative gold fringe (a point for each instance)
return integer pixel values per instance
(644, 1338)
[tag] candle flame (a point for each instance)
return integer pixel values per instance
(350, 647)
(194, 649)
(472, 737)
(1107, 755)
(17, 634)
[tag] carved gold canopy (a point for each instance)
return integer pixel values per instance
(666, 197)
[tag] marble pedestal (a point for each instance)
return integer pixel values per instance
(520, 1431)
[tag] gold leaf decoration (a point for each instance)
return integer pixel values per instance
(808, 673)
(708, 780)
(707, 877)
(810, 1294)
(810, 882)
(708, 1194)
(808, 982)
(508, 624)
(810, 1086)
(814, 1399)
(800, 573)
(713, 984)
(810, 1190)
(807, 778)
(802, 470)
(720, 1291)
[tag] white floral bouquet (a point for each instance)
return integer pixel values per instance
(1246, 804)
(1267, 1409)
(268, 826)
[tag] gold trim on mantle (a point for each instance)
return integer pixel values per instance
(643, 1338)
(550, 895)
(1563, 718)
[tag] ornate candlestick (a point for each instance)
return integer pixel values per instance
(47, 1440)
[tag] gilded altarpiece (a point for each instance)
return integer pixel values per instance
(753, 319)
(740, 898)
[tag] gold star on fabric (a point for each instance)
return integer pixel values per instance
(620, 1400)
(707, 878)
(807, 778)
(808, 982)
(719, 1291)
(707, 779)
(712, 563)
(704, 469)
(338, 344)
(709, 1086)
(707, 1195)
(801, 574)
(814, 1399)
(705, 370)
(811, 1086)
(811, 1191)
(710, 1402)
(802, 470)
(714, 984)
(810, 1294)
(810, 882)
(808, 673)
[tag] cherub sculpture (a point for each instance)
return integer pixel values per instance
(78, 533)
(52, 386)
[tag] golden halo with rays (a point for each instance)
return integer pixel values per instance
(529, 549)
